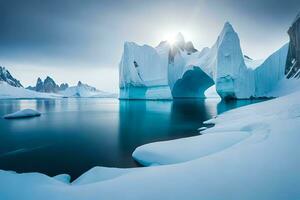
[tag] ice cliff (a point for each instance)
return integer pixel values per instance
(180, 71)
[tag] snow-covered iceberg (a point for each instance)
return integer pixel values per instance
(26, 113)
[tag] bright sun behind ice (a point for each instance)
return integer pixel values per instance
(170, 36)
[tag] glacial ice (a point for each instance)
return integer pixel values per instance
(23, 114)
(189, 73)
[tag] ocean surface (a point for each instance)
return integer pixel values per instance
(73, 135)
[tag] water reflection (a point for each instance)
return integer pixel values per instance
(74, 135)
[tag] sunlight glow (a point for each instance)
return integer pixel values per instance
(170, 35)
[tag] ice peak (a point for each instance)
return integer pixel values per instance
(228, 27)
(179, 37)
(79, 83)
(179, 40)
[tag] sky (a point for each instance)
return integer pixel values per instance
(73, 40)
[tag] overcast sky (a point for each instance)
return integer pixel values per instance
(73, 40)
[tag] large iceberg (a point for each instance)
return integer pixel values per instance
(238, 76)
(142, 69)
(180, 71)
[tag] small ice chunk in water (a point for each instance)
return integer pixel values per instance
(23, 114)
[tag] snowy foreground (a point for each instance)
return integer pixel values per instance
(251, 153)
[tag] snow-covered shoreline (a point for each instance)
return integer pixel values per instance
(253, 154)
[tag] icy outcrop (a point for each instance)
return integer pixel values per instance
(8, 78)
(270, 72)
(189, 73)
(293, 59)
(142, 67)
(238, 76)
(84, 90)
(232, 77)
(23, 114)
(162, 72)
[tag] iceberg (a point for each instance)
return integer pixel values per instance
(181, 71)
(143, 68)
(26, 113)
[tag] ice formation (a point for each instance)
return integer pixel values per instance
(183, 72)
(23, 114)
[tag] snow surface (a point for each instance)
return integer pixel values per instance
(9, 92)
(251, 153)
(86, 91)
(23, 114)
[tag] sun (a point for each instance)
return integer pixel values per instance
(171, 35)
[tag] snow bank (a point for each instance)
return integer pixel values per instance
(163, 153)
(9, 92)
(258, 159)
(23, 114)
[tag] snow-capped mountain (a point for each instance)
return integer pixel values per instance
(84, 90)
(8, 78)
(48, 86)
(179, 70)
(292, 69)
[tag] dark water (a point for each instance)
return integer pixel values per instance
(74, 135)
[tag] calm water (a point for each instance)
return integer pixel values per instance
(74, 135)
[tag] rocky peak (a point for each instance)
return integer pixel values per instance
(292, 67)
(8, 78)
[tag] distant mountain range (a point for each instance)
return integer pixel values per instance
(48, 86)
(12, 88)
